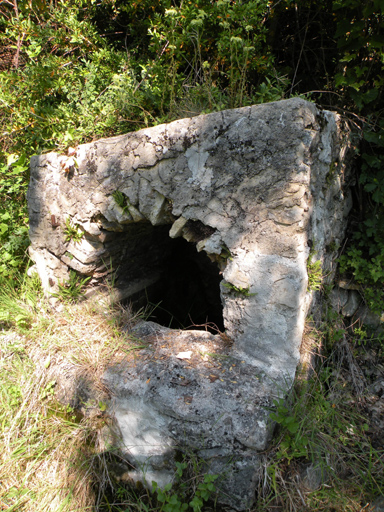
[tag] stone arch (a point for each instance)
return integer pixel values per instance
(248, 187)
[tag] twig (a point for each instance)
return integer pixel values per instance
(298, 62)
(146, 73)
(19, 39)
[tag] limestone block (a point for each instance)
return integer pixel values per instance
(232, 203)
(268, 181)
(166, 406)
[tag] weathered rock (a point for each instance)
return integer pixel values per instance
(352, 304)
(313, 476)
(213, 217)
(187, 395)
(338, 298)
(252, 187)
(347, 298)
(370, 319)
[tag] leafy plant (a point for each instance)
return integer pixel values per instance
(13, 214)
(216, 67)
(204, 491)
(174, 502)
(315, 273)
(72, 232)
(73, 289)
(48, 391)
(226, 253)
(238, 290)
(360, 80)
(292, 445)
(318, 426)
(169, 502)
(121, 199)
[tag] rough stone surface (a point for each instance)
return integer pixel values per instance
(187, 394)
(352, 304)
(347, 299)
(254, 190)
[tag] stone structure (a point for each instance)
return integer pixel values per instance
(213, 218)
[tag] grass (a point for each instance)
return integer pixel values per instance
(54, 451)
(39, 443)
(323, 457)
(49, 460)
(72, 232)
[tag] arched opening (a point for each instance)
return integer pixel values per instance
(185, 290)
(188, 293)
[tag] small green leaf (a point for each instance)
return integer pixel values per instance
(11, 159)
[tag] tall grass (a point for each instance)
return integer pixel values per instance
(52, 458)
(56, 450)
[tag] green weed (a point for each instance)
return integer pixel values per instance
(121, 199)
(173, 501)
(13, 214)
(315, 273)
(318, 426)
(72, 232)
(238, 290)
(73, 289)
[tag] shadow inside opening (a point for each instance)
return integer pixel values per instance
(188, 293)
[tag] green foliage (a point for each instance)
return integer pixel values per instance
(226, 253)
(121, 199)
(73, 289)
(216, 46)
(318, 426)
(80, 70)
(71, 86)
(238, 290)
(364, 258)
(72, 232)
(294, 443)
(361, 45)
(315, 273)
(365, 261)
(14, 238)
(66, 83)
(169, 502)
(175, 502)
(48, 390)
(204, 491)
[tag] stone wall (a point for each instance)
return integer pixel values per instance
(213, 218)
(254, 188)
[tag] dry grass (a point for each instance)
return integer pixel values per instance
(323, 458)
(54, 460)
(41, 448)
(49, 460)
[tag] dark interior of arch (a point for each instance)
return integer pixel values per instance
(185, 284)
